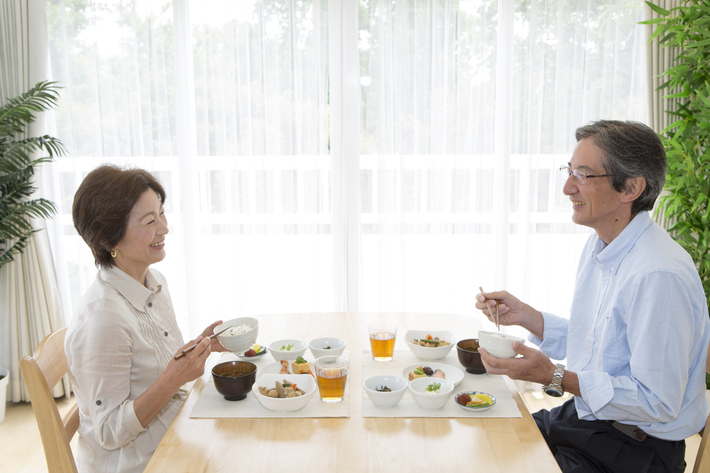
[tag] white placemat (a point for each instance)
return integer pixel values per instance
(492, 384)
(212, 405)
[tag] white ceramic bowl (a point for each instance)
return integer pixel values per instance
(498, 344)
(303, 381)
(299, 348)
(385, 400)
(429, 353)
(238, 343)
(431, 401)
(318, 347)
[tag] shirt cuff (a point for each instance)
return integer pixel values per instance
(597, 391)
(555, 332)
(133, 425)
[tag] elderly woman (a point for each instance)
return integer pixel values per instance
(121, 343)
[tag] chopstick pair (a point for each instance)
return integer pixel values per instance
(192, 347)
(496, 319)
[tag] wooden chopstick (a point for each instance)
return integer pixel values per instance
(192, 347)
(496, 319)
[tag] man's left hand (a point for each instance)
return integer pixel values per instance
(533, 365)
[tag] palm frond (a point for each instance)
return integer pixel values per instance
(17, 168)
(19, 111)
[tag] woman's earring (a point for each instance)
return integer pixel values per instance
(113, 253)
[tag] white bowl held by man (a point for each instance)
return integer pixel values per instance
(428, 396)
(375, 387)
(441, 343)
(289, 404)
(499, 344)
(241, 336)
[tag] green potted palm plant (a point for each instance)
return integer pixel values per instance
(687, 198)
(17, 169)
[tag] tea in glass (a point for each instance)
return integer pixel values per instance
(382, 337)
(331, 376)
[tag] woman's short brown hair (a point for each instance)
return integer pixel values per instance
(103, 203)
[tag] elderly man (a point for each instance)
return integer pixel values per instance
(637, 338)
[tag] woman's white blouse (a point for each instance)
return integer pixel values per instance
(120, 340)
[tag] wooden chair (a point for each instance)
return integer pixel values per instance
(41, 372)
(702, 460)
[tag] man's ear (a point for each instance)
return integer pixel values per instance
(634, 187)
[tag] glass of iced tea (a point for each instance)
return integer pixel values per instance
(382, 335)
(331, 376)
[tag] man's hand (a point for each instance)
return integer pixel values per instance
(511, 311)
(533, 366)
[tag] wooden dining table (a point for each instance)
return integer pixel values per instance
(354, 443)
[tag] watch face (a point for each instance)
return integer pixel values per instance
(554, 392)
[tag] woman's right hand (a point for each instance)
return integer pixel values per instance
(192, 365)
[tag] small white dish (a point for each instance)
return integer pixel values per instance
(258, 356)
(318, 347)
(452, 373)
(238, 343)
(473, 394)
(298, 348)
(431, 401)
(498, 344)
(303, 381)
(429, 353)
(385, 399)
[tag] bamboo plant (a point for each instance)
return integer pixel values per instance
(17, 167)
(686, 140)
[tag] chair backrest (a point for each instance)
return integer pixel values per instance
(702, 460)
(41, 372)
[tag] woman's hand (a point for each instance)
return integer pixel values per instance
(191, 366)
(214, 343)
(511, 311)
(178, 372)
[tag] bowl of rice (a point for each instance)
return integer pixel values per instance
(241, 336)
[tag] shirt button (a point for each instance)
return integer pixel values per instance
(589, 345)
(98, 403)
(166, 333)
(150, 304)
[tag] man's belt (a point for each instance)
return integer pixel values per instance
(630, 431)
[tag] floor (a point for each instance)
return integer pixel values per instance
(20, 443)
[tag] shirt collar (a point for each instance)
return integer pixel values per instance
(133, 291)
(615, 251)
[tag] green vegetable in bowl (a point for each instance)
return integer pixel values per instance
(300, 360)
(419, 371)
(433, 388)
(286, 348)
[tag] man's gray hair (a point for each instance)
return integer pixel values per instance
(631, 149)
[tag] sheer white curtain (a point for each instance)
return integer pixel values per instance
(281, 199)
(227, 103)
(468, 110)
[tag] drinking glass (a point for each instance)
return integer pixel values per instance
(382, 336)
(331, 377)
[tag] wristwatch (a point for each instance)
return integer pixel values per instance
(554, 389)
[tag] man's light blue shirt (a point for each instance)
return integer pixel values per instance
(638, 333)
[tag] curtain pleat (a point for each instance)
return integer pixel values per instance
(30, 308)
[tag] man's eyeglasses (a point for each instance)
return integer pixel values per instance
(579, 176)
